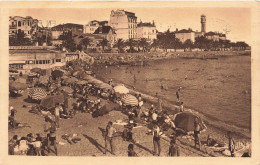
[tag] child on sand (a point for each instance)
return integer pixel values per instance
(231, 144)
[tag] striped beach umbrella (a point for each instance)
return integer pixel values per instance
(37, 93)
(129, 99)
(82, 82)
(104, 86)
(121, 89)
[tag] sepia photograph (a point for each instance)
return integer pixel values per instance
(122, 81)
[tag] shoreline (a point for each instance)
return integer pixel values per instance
(142, 59)
(239, 131)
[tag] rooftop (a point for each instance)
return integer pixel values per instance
(104, 30)
(147, 24)
(184, 31)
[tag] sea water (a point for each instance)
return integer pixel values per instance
(219, 89)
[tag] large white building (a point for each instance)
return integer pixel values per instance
(124, 23)
(184, 35)
(27, 25)
(92, 26)
(146, 30)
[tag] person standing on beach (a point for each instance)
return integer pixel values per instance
(51, 137)
(110, 130)
(57, 115)
(231, 144)
(131, 152)
(156, 140)
(197, 133)
(181, 107)
(178, 94)
(12, 117)
(173, 149)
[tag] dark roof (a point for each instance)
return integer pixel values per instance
(67, 26)
(214, 33)
(184, 31)
(147, 24)
(130, 13)
(104, 30)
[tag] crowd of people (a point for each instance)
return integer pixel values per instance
(154, 117)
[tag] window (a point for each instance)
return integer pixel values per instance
(37, 61)
(40, 61)
(28, 32)
(19, 23)
(43, 61)
(12, 23)
(23, 23)
(28, 23)
(58, 60)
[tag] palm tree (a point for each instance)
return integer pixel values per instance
(131, 43)
(120, 44)
(103, 43)
(85, 42)
(144, 44)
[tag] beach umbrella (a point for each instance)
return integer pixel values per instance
(17, 85)
(75, 73)
(43, 79)
(129, 99)
(185, 121)
(37, 93)
(31, 74)
(87, 77)
(36, 70)
(66, 89)
(50, 101)
(70, 80)
(57, 73)
(121, 89)
(21, 80)
(104, 86)
(82, 82)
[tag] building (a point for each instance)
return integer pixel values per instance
(92, 26)
(106, 32)
(203, 23)
(25, 58)
(27, 25)
(58, 30)
(94, 41)
(146, 30)
(124, 23)
(184, 35)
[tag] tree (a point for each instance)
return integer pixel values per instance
(155, 44)
(67, 41)
(85, 42)
(201, 42)
(120, 44)
(131, 43)
(188, 44)
(176, 43)
(19, 40)
(144, 44)
(103, 43)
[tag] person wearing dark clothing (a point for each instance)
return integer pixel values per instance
(52, 138)
(12, 143)
(173, 149)
(131, 152)
(156, 140)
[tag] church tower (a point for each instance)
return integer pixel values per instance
(203, 23)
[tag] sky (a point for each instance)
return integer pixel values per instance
(235, 22)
